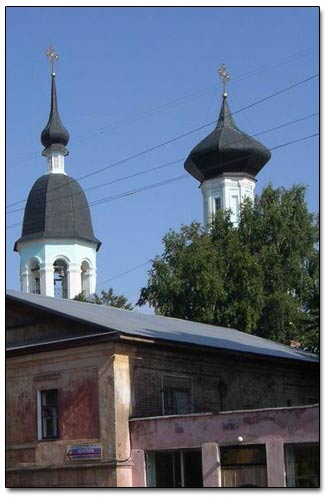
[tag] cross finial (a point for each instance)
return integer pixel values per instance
(225, 76)
(53, 57)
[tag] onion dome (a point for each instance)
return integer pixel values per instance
(226, 150)
(54, 137)
(56, 208)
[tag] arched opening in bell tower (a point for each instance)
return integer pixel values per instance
(86, 278)
(34, 276)
(60, 279)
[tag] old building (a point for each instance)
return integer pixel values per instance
(102, 397)
(98, 396)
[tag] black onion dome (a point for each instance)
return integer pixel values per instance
(54, 136)
(226, 150)
(57, 208)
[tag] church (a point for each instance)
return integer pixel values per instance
(103, 397)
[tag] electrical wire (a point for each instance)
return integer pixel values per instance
(180, 100)
(161, 183)
(179, 137)
(146, 171)
(124, 273)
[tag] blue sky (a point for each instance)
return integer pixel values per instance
(131, 78)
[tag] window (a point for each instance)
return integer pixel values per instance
(175, 469)
(234, 209)
(85, 278)
(302, 465)
(176, 395)
(34, 277)
(48, 414)
(217, 203)
(243, 466)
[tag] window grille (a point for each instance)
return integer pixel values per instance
(176, 395)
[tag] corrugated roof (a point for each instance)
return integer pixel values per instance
(162, 328)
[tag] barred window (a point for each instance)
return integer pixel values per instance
(176, 394)
(48, 414)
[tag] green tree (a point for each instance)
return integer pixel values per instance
(261, 277)
(106, 298)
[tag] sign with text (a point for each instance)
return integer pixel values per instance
(84, 451)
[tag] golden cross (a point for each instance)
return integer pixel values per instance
(52, 56)
(225, 76)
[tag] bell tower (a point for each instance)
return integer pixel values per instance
(226, 163)
(57, 246)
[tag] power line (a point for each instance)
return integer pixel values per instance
(146, 171)
(179, 137)
(166, 164)
(125, 272)
(177, 101)
(165, 182)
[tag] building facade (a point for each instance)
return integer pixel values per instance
(101, 397)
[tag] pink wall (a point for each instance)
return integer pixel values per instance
(291, 424)
(272, 427)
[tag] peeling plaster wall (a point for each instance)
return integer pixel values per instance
(290, 425)
(271, 427)
(94, 406)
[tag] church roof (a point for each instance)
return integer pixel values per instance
(57, 207)
(106, 320)
(54, 136)
(226, 150)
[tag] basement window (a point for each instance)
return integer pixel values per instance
(302, 463)
(48, 414)
(176, 395)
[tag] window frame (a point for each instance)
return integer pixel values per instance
(179, 377)
(289, 459)
(40, 417)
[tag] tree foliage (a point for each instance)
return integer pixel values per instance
(261, 277)
(106, 298)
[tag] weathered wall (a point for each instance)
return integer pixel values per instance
(292, 425)
(272, 427)
(62, 477)
(94, 407)
(220, 383)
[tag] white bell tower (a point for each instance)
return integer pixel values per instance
(226, 163)
(57, 246)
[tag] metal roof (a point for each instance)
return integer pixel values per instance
(57, 207)
(226, 149)
(54, 132)
(137, 324)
